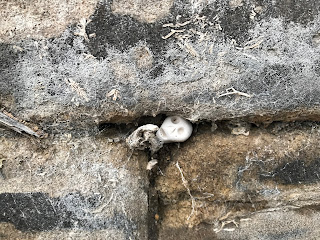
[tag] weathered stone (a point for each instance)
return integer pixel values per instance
(40, 19)
(145, 11)
(70, 67)
(68, 186)
(267, 61)
(276, 225)
(233, 178)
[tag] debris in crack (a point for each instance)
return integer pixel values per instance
(238, 127)
(145, 137)
(151, 164)
(214, 127)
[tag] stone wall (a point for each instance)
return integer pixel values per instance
(84, 75)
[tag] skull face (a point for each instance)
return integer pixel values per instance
(174, 129)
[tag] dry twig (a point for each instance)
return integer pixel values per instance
(255, 45)
(81, 31)
(76, 88)
(15, 125)
(173, 31)
(151, 164)
(232, 91)
(185, 184)
(224, 223)
(114, 93)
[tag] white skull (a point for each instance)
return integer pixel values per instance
(174, 129)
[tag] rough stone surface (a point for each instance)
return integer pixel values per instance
(112, 67)
(145, 11)
(235, 179)
(40, 19)
(275, 225)
(68, 186)
(242, 71)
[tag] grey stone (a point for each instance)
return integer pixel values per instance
(69, 69)
(67, 186)
(265, 51)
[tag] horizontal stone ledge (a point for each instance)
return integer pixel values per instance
(129, 69)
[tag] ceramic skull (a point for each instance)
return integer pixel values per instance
(174, 129)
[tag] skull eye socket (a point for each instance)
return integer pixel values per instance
(175, 120)
(180, 130)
